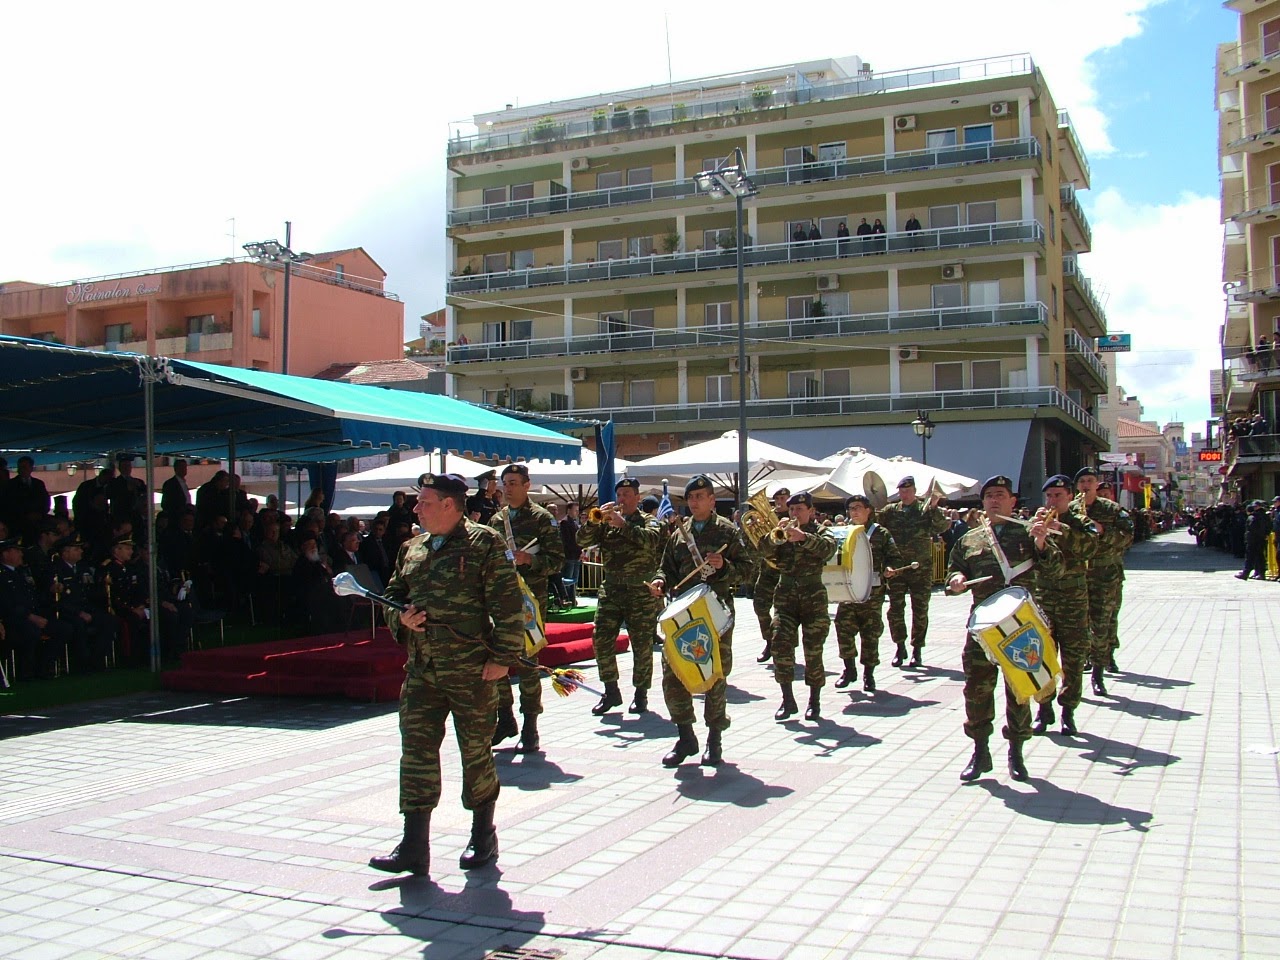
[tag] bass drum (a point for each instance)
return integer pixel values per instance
(691, 627)
(850, 576)
(1015, 636)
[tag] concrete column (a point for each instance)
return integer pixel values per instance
(1033, 361)
(682, 382)
(568, 245)
(568, 387)
(682, 308)
(568, 318)
(895, 371)
(753, 225)
(888, 136)
(1024, 118)
(750, 153)
(1028, 197)
(566, 174)
(891, 281)
(680, 161)
(891, 211)
(1029, 280)
(681, 222)
(753, 304)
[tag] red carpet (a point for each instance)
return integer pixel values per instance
(341, 664)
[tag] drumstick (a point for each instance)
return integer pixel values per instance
(913, 565)
(970, 583)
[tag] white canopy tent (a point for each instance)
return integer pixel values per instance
(718, 459)
(855, 470)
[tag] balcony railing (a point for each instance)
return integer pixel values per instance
(801, 173)
(913, 322)
(1253, 127)
(1257, 286)
(1071, 206)
(1064, 126)
(1079, 346)
(1249, 54)
(580, 121)
(1254, 203)
(1071, 269)
(1003, 398)
(902, 242)
(1261, 449)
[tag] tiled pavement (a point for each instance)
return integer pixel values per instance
(170, 826)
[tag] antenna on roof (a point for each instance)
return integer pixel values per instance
(234, 248)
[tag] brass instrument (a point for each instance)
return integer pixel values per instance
(779, 533)
(757, 518)
(601, 513)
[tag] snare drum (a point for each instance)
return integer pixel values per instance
(691, 628)
(1015, 636)
(850, 576)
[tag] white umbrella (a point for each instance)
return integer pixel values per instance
(927, 477)
(856, 470)
(387, 480)
(846, 474)
(718, 459)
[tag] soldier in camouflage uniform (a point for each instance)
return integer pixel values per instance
(974, 556)
(1065, 598)
(464, 629)
(1106, 574)
(722, 550)
(866, 618)
(538, 552)
(801, 602)
(767, 583)
(630, 542)
(912, 523)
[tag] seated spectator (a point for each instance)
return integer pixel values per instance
(30, 630)
(318, 605)
(373, 550)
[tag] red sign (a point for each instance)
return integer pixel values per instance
(1210, 456)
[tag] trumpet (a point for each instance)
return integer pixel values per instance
(779, 533)
(601, 513)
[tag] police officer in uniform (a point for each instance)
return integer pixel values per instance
(866, 618)
(26, 611)
(912, 522)
(485, 500)
(75, 604)
(1106, 574)
(122, 590)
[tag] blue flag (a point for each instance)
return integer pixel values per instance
(605, 478)
(665, 509)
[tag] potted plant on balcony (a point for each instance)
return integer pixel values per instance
(544, 128)
(670, 242)
(640, 116)
(680, 112)
(599, 120)
(761, 96)
(817, 308)
(621, 119)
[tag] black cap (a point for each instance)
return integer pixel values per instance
(650, 503)
(519, 468)
(1056, 481)
(1086, 472)
(13, 543)
(700, 482)
(627, 483)
(123, 539)
(999, 480)
(442, 483)
(482, 479)
(907, 481)
(786, 491)
(859, 498)
(125, 458)
(805, 498)
(71, 541)
(1107, 484)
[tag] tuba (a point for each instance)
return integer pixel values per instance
(757, 518)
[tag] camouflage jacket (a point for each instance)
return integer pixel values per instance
(801, 563)
(912, 529)
(884, 553)
(717, 535)
(1115, 531)
(973, 556)
(630, 553)
(532, 522)
(468, 588)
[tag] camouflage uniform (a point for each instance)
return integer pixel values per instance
(766, 584)
(867, 618)
(972, 555)
(468, 588)
(1065, 600)
(630, 557)
(717, 535)
(801, 602)
(1106, 576)
(528, 523)
(912, 529)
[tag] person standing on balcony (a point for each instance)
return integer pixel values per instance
(842, 239)
(913, 228)
(912, 523)
(1264, 354)
(879, 234)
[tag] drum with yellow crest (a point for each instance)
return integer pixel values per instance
(1014, 634)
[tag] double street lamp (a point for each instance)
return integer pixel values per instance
(923, 427)
(729, 178)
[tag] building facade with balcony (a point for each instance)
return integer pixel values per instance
(589, 276)
(229, 312)
(1248, 104)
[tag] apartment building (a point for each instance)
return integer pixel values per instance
(589, 275)
(1248, 103)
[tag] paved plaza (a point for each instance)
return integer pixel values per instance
(179, 826)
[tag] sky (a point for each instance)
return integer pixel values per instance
(147, 134)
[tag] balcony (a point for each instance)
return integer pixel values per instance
(1254, 206)
(193, 346)
(701, 261)
(1257, 286)
(1244, 6)
(1084, 360)
(1247, 455)
(1075, 225)
(1077, 291)
(708, 339)
(1252, 59)
(863, 406)
(726, 99)
(1256, 132)
(851, 168)
(1075, 164)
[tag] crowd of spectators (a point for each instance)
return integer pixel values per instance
(1244, 530)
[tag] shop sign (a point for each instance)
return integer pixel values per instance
(99, 292)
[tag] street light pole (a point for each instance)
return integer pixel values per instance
(923, 427)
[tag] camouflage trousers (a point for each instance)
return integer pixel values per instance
(762, 597)
(801, 612)
(1106, 591)
(1069, 621)
(981, 677)
(866, 619)
(715, 701)
(425, 702)
(639, 611)
(919, 583)
(530, 680)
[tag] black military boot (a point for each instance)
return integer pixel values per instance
(1017, 768)
(766, 655)
(1044, 718)
(1069, 722)
(869, 679)
(686, 746)
(712, 757)
(612, 698)
(641, 702)
(483, 848)
(814, 710)
(917, 657)
(529, 739)
(850, 674)
(900, 657)
(788, 708)
(413, 853)
(1099, 684)
(506, 727)
(979, 763)
(1111, 663)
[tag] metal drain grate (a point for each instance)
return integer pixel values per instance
(523, 953)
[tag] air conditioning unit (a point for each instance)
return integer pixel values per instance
(1000, 109)
(952, 271)
(733, 365)
(578, 164)
(829, 281)
(664, 446)
(906, 122)
(577, 374)
(908, 353)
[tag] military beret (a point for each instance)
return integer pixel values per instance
(805, 498)
(627, 483)
(1058, 480)
(997, 481)
(1105, 484)
(519, 468)
(650, 503)
(859, 498)
(785, 491)
(906, 482)
(13, 543)
(442, 483)
(700, 482)
(1086, 472)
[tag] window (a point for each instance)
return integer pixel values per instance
(1271, 110)
(985, 374)
(611, 249)
(521, 259)
(801, 384)
(979, 133)
(640, 247)
(940, 139)
(799, 308)
(984, 293)
(522, 191)
(495, 398)
(639, 175)
(717, 314)
(794, 156)
(614, 321)
(828, 226)
(641, 319)
(828, 152)
(942, 217)
(836, 383)
(339, 271)
(721, 239)
(495, 262)
(982, 211)
(521, 398)
(559, 401)
(837, 304)
(1053, 228)
(494, 195)
(608, 179)
(802, 226)
(1048, 147)
(1053, 301)
(611, 394)
(720, 388)
(1271, 38)
(205, 323)
(1273, 182)
(521, 329)
(495, 332)
(642, 393)
(948, 376)
(948, 296)
(257, 323)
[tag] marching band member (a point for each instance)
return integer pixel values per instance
(721, 549)
(767, 582)
(629, 544)
(1106, 574)
(537, 550)
(865, 618)
(912, 523)
(1006, 553)
(800, 548)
